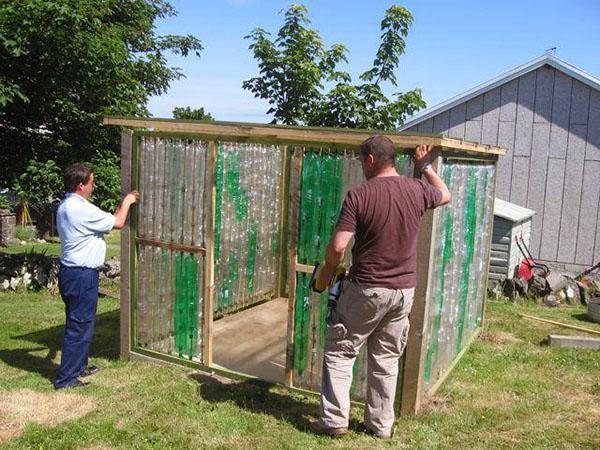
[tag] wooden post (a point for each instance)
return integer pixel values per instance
(283, 227)
(295, 186)
(209, 261)
(126, 239)
(490, 231)
(414, 354)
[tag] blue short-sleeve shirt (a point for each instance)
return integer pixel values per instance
(81, 227)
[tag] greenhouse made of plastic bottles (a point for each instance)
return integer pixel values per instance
(218, 254)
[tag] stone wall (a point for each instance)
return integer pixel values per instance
(7, 227)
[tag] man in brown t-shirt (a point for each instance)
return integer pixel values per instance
(383, 215)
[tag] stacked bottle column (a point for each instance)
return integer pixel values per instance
(169, 283)
(326, 179)
(457, 288)
(247, 221)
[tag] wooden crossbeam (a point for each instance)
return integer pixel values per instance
(329, 136)
(171, 246)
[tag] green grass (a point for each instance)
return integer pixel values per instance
(510, 390)
(52, 247)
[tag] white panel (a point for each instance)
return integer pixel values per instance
(506, 136)
(592, 151)
(561, 104)
(520, 180)
(475, 108)
(590, 199)
(491, 116)
(457, 121)
(543, 94)
(473, 131)
(508, 102)
(580, 98)
(441, 122)
(525, 114)
(537, 180)
(552, 209)
(572, 195)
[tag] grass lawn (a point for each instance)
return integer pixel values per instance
(52, 247)
(510, 390)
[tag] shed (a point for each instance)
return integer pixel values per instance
(510, 222)
(232, 217)
(546, 112)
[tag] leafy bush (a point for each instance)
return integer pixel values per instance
(40, 183)
(4, 203)
(107, 178)
(26, 233)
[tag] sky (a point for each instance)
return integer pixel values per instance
(452, 46)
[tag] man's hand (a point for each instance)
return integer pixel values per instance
(324, 275)
(422, 155)
(132, 197)
(123, 209)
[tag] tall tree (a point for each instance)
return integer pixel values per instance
(188, 113)
(66, 63)
(295, 66)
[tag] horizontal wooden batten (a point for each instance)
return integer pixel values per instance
(172, 246)
(305, 268)
(329, 136)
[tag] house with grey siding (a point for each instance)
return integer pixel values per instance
(547, 114)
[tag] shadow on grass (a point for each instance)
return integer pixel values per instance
(256, 396)
(582, 317)
(105, 344)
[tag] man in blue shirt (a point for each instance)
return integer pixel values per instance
(81, 227)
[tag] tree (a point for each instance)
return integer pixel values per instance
(295, 66)
(188, 113)
(66, 63)
(40, 183)
(107, 180)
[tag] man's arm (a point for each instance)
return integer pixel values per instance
(422, 160)
(123, 209)
(334, 254)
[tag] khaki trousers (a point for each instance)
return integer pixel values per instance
(379, 317)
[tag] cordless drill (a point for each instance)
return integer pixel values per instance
(316, 284)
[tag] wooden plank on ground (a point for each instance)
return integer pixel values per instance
(560, 324)
(557, 340)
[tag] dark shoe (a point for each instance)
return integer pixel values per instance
(317, 428)
(365, 429)
(75, 384)
(89, 371)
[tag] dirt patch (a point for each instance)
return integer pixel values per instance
(17, 408)
(435, 405)
(498, 337)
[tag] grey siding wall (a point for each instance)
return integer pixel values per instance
(550, 124)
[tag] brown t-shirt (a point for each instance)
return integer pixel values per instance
(385, 212)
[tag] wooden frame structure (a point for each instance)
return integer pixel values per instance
(411, 391)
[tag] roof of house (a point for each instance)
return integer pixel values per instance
(510, 211)
(547, 58)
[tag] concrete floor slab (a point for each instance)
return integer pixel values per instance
(253, 341)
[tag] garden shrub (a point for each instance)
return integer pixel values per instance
(26, 233)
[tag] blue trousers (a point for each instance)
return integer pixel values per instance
(78, 288)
